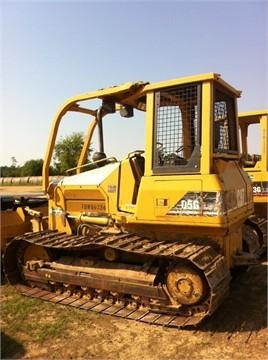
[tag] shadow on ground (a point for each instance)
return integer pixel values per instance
(10, 348)
(246, 307)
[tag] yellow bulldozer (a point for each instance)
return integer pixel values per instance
(20, 214)
(254, 126)
(152, 237)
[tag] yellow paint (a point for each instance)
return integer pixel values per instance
(150, 203)
(257, 172)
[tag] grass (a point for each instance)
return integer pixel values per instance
(54, 329)
(24, 319)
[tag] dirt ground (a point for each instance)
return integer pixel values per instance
(237, 331)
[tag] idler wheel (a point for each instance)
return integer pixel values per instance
(185, 285)
(110, 254)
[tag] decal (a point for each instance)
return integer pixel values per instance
(256, 189)
(111, 188)
(56, 212)
(93, 207)
(199, 204)
(260, 188)
(209, 203)
(190, 204)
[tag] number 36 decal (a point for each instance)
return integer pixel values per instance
(260, 188)
(256, 190)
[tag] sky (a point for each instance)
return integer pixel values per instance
(52, 50)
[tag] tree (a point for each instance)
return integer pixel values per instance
(10, 171)
(14, 162)
(67, 152)
(66, 155)
(32, 168)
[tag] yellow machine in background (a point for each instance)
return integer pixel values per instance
(151, 237)
(20, 215)
(254, 125)
(256, 165)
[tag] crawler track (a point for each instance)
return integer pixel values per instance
(202, 256)
(260, 226)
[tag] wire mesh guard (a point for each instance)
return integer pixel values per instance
(224, 123)
(176, 130)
